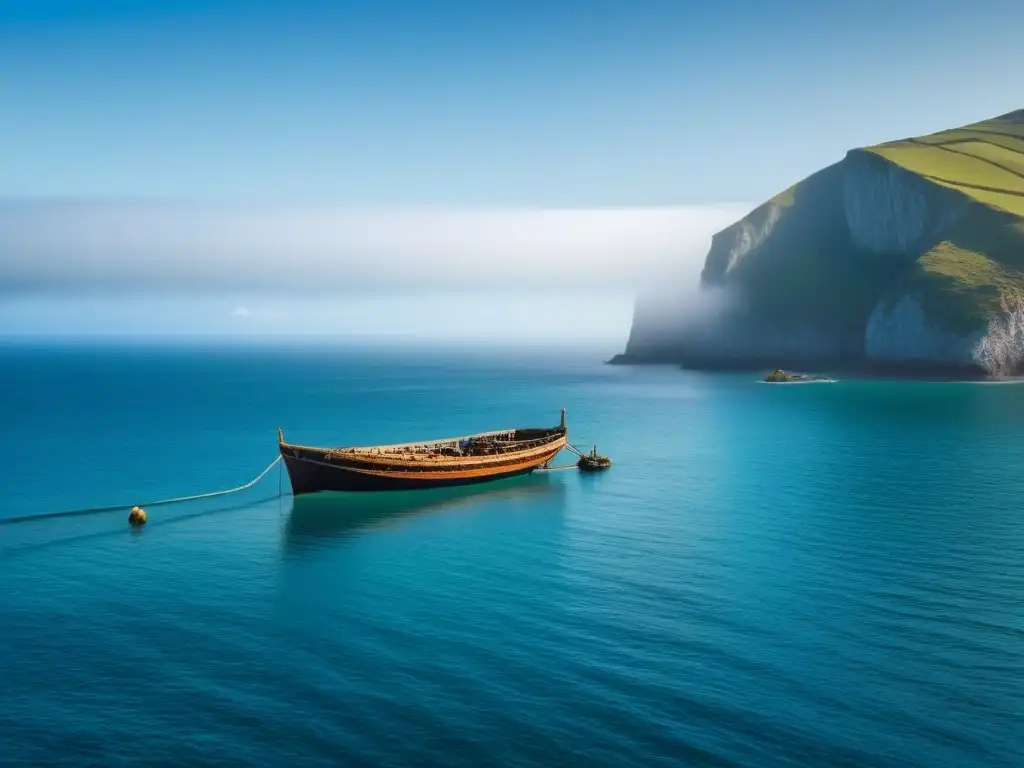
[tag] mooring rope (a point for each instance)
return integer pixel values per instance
(158, 503)
(210, 495)
(572, 449)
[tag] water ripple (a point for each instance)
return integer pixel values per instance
(799, 577)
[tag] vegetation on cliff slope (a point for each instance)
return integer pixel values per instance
(979, 259)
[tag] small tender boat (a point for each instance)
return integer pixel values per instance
(449, 461)
(593, 461)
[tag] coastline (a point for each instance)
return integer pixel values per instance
(848, 369)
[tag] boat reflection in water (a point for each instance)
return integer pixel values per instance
(340, 515)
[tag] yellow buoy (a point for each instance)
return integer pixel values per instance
(137, 516)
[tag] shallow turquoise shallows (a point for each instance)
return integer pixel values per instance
(803, 575)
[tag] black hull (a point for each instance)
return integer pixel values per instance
(310, 477)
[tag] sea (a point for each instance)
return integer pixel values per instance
(795, 575)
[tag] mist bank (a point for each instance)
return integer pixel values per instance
(170, 246)
(868, 264)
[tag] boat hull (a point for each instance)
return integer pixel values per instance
(310, 473)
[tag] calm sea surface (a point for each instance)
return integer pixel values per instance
(820, 575)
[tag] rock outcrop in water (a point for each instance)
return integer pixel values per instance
(898, 254)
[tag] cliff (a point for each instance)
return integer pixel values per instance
(897, 254)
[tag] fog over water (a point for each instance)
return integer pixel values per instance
(107, 268)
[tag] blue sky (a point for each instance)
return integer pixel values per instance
(542, 102)
(591, 105)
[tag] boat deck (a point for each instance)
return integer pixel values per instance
(481, 448)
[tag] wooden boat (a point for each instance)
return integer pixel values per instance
(478, 458)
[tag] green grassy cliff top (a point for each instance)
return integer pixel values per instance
(984, 161)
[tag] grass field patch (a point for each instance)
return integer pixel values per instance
(941, 164)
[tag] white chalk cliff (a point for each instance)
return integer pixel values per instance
(903, 332)
(892, 212)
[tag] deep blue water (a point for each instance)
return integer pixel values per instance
(822, 575)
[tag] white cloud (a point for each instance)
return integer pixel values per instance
(240, 311)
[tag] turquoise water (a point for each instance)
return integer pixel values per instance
(804, 575)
